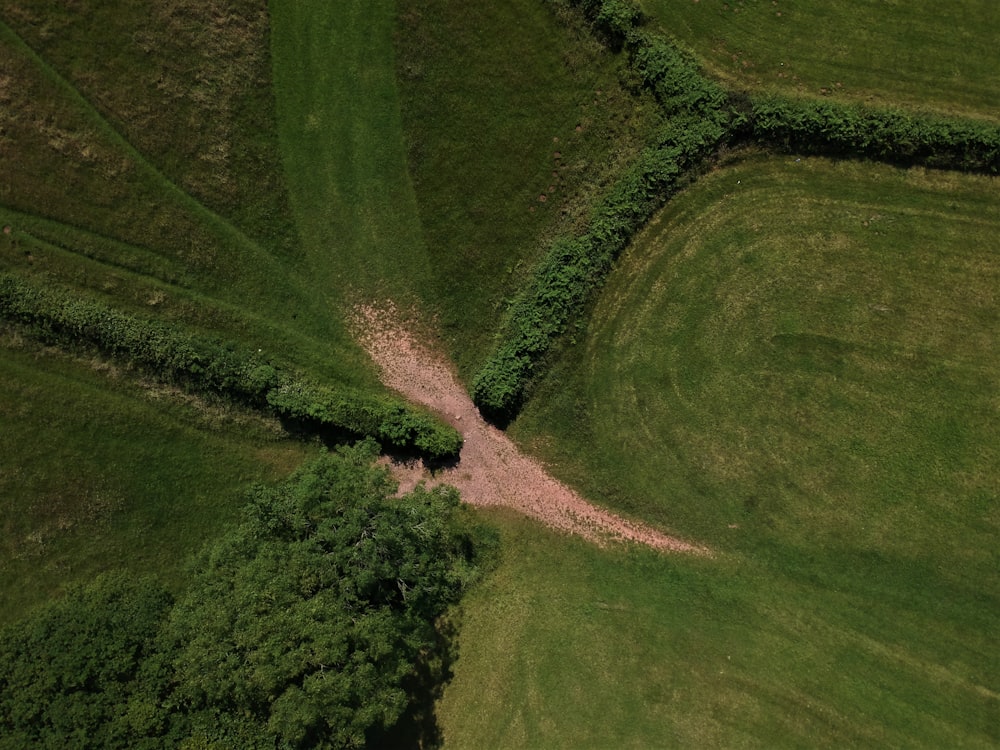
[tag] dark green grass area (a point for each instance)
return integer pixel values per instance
(100, 472)
(570, 646)
(921, 54)
(515, 121)
(104, 197)
(187, 83)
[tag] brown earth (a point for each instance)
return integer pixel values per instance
(492, 471)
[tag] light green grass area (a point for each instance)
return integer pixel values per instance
(101, 473)
(795, 364)
(920, 54)
(515, 120)
(803, 348)
(569, 646)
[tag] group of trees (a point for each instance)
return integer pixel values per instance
(314, 622)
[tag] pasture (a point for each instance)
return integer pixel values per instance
(794, 364)
(920, 55)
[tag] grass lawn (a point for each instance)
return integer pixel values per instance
(569, 646)
(102, 473)
(802, 348)
(795, 364)
(920, 54)
(514, 120)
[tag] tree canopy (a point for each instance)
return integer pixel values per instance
(303, 626)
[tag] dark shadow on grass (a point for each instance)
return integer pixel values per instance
(417, 728)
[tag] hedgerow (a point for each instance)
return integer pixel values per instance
(701, 117)
(845, 130)
(199, 363)
(698, 121)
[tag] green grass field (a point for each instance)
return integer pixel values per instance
(781, 305)
(568, 646)
(342, 145)
(100, 472)
(795, 364)
(922, 55)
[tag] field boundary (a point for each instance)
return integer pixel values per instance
(703, 118)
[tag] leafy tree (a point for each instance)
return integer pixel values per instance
(306, 625)
(303, 624)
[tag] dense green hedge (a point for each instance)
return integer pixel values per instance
(181, 357)
(699, 119)
(701, 116)
(388, 420)
(55, 316)
(825, 127)
(574, 267)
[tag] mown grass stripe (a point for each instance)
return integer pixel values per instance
(340, 131)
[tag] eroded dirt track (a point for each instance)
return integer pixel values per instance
(492, 471)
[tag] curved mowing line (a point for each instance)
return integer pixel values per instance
(219, 224)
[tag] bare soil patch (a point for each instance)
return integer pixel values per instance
(491, 471)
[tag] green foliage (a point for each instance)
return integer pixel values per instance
(574, 268)
(699, 119)
(83, 671)
(385, 419)
(179, 356)
(311, 623)
(306, 621)
(170, 353)
(615, 19)
(815, 126)
(675, 78)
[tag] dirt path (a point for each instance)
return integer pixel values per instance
(491, 470)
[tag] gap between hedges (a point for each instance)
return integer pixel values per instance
(702, 117)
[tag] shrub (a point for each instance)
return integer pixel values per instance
(203, 364)
(825, 127)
